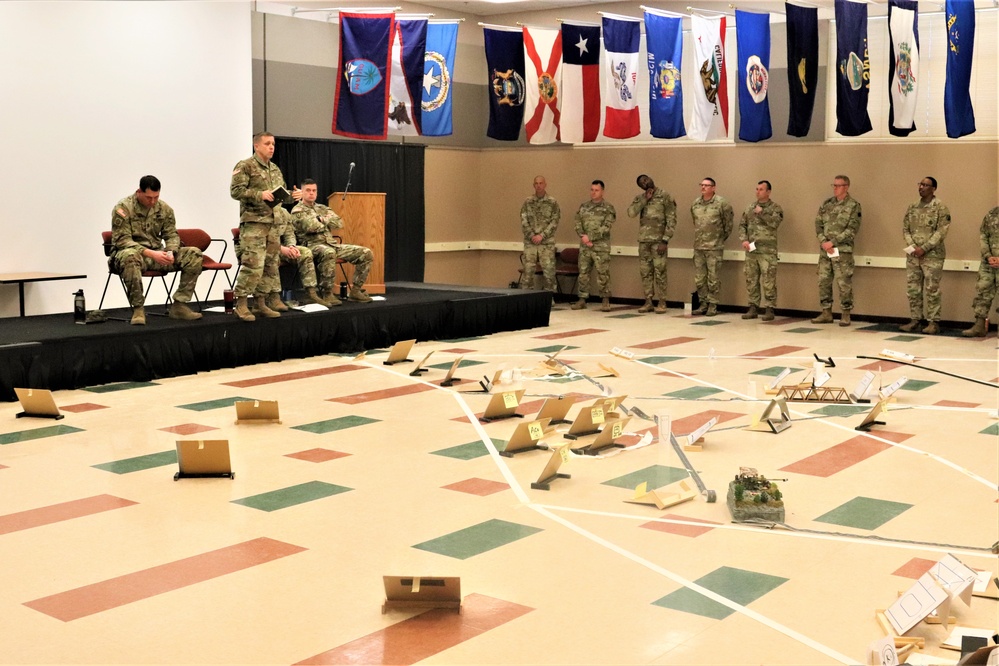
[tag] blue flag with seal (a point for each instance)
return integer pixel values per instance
(853, 64)
(802, 66)
(362, 90)
(505, 70)
(442, 42)
(959, 115)
(664, 44)
(752, 36)
(903, 66)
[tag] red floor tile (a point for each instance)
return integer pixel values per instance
(82, 407)
(188, 429)
(955, 403)
(658, 344)
(773, 351)
(383, 394)
(846, 454)
(884, 366)
(317, 455)
(458, 350)
(914, 568)
(570, 334)
(46, 515)
(475, 486)
(691, 423)
(290, 376)
(681, 530)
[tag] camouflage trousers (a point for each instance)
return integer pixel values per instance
(707, 267)
(325, 257)
(840, 269)
(652, 270)
(260, 258)
(761, 275)
(922, 280)
(306, 272)
(542, 256)
(129, 264)
(985, 290)
(599, 262)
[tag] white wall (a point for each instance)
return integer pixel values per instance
(98, 94)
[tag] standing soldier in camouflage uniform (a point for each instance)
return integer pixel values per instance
(253, 183)
(315, 224)
(758, 233)
(924, 228)
(713, 218)
(144, 238)
(988, 274)
(836, 227)
(594, 220)
(539, 218)
(656, 211)
(290, 252)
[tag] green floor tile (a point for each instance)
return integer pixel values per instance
(120, 386)
(710, 322)
(453, 340)
(37, 433)
(695, 603)
(477, 539)
(656, 476)
(563, 380)
(292, 495)
(470, 450)
(841, 410)
(864, 513)
(332, 425)
(802, 329)
(917, 385)
(693, 393)
(656, 360)
(880, 328)
(552, 349)
(465, 363)
(213, 404)
(774, 370)
(139, 463)
(904, 338)
(738, 585)
(626, 315)
(991, 430)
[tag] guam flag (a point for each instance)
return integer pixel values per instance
(621, 39)
(580, 82)
(442, 41)
(710, 119)
(505, 71)
(409, 47)
(362, 90)
(664, 43)
(542, 65)
(752, 35)
(802, 66)
(959, 115)
(903, 66)
(853, 76)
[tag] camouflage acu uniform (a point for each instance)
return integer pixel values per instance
(712, 227)
(259, 241)
(761, 263)
(306, 269)
(656, 224)
(837, 221)
(135, 228)
(988, 277)
(925, 226)
(314, 225)
(539, 216)
(595, 221)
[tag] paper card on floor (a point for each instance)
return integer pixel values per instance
(700, 432)
(863, 385)
(311, 307)
(623, 353)
(887, 391)
(986, 585)
(777, 380)
(953, 641)
(897, 356)
(882, 652)
(955, 576)
(916, 603)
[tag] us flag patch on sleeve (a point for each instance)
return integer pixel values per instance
(121, 212)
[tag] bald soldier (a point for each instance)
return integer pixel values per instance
(656, 213)
(539, 218)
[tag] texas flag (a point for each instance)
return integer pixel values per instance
(621, 77)
(580, 94)
(542, 60)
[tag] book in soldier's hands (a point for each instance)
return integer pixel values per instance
(281, 196)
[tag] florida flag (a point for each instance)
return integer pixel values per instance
(710, 120)
(621, 78)
(542, 66)
(580, 94)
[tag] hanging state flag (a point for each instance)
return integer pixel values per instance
(580, 82)
(505, 69)
(664, 44)
(752, 37)
(621, 36)
(543, 76)
(802, 66)
(409, 49)
(959, 115)
(903, 64)
(362, 89)
(442, 42)
(710, 119)
(853, 64)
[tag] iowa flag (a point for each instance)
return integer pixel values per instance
(903, 64)
(664, 43)
(409, 47)
(580, 82)
(542, 68)
(853, 65)
(959, 115)
(362, 90)
(621, 78)
(752, 35)
(710, 93)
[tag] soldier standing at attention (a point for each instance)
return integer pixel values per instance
(291, 252)
(253, 183)
(594, 220)
(539, 218)
(656, 211)
(924, 228)
(713, 218)
(836, 227)
(988, 274)
(758, 233)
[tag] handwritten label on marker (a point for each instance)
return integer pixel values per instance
(535, 430)
(509, 400)
(616, 430)
(564, 452)
(597, 414)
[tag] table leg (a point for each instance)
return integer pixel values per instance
(20, 293)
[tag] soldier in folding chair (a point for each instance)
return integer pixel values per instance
(144, 237)
(291, 253)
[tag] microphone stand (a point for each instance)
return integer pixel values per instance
(347, 188)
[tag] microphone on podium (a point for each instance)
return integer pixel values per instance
(349, 174)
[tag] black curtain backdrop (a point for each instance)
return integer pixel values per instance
(392, 168)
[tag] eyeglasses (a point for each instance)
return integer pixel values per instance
(706, 185)
(839, 185)
(925, 184)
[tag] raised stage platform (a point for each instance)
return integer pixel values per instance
(52, 352)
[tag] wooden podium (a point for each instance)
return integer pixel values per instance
(363, 216)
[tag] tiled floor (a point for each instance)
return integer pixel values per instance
(373, 472)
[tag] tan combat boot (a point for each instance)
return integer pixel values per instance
(183, 312)
(605, 304)
(712, 310)
(752, 313)
(333, 299)
(844, 318)
(661, 308)
(648, 307)
(768, 315)
(242, 310)
(312, 296)
(824, 318)
(910, 327)
(260, 307)
(358, 295)
(579, 305)
(701, 309)
(976, 331)
(138, 316)
(275, 303)
(932, 328)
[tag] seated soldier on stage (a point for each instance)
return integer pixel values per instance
(314, 224)
(144, 238)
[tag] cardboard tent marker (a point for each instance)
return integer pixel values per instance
(399, 353)
(257, 411)
(415, 592)
(550, 472)
(526, 437)
(449, 378)
(419, 366)
(871, 419)
(605, 438)
(772, 387)
(556, 409)
(587, 422)
(203, 458)
(37, 403)
(863, 385)
(916, 603)
(503, 406)
(665, 498)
